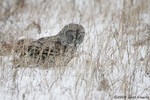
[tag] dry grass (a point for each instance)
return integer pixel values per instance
(114, 59)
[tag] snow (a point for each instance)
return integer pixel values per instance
(107, 53)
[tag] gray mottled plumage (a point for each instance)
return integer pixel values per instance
(51, 51)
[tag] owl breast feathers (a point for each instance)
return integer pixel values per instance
(50, 51)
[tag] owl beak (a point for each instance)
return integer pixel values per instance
(76, 45)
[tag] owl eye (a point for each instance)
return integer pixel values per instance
(80, 38)
(70, 36)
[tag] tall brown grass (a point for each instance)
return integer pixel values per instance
(114, 59)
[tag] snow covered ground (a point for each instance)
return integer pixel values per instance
(112, 63)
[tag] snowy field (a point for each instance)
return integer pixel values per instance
(113, 62)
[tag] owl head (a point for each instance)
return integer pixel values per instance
(72, 35)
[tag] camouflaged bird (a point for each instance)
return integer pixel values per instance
(50, 51)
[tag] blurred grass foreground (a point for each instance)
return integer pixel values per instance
(112, 63)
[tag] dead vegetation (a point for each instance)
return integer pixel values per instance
(114, 59)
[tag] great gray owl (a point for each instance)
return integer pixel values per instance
(50, 51)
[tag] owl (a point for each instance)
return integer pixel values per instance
(53, 51)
